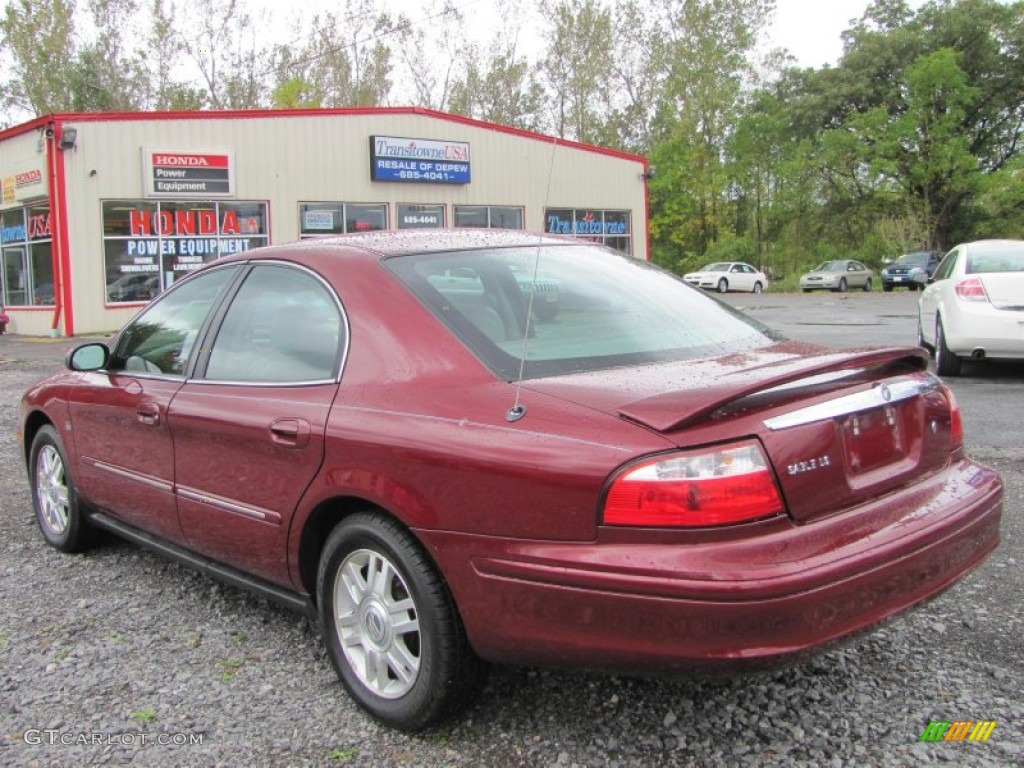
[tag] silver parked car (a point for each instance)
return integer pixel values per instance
(839, 275)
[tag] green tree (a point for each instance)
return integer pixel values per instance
(576, 68)
(344, 61)
(924, 152)
(38, 35)
(220, 39)
(164, 51)
(430, 62)
(107, 75)
(637, 77)
(707, 44)
(498, 87)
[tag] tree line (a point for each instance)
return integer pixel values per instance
(909, 142)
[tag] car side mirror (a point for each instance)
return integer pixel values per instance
(88, 357)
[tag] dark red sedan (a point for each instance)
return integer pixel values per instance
(382, 430)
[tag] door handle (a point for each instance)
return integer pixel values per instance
(293, 433)
(148, 414)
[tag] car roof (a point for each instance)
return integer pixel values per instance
(994, 241)
(374, 245)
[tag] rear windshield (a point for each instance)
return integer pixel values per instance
(995, 257)
(590, 309)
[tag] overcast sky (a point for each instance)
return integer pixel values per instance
(810, 29)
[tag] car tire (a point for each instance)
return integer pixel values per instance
(946, 363)
(842, 285)
(54, 498)
(886, 287)
(723, 286)
(911, 287)
(867, 285)
(758, 287)
(396, 640)
(807, 290)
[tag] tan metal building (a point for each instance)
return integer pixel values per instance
(100, 212)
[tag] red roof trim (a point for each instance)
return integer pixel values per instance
(254, 114)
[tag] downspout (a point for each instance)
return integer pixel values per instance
(59, 223)
(50, 135)
(648, 172)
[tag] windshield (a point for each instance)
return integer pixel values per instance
(914, 258)
(592, 309)
(721, 266)
(831, 266)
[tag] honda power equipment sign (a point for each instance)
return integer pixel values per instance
(191, 174)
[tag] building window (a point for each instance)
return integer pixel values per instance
(26, 237)
(324, 219)
(609, 228)
(420, 216)
(148, 245)
(488, 216)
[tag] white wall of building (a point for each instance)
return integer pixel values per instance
(287, 159)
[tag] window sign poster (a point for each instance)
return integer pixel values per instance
(420, 216)
(148, 245)
(599, 226)
(24, 185)
(314, 220)
(428, 161)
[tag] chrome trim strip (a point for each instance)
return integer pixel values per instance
(346, 330)
(214, 501)
(268, 384)
(881, 394)
(152, 482)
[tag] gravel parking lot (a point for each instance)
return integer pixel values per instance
(121, 657)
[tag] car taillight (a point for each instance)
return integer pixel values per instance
(714, 486)
(956, 422)
(971, 289)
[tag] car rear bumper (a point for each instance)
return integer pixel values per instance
(904, 280)
(725, 603)
(999, 332)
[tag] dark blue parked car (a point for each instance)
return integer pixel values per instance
(911, 270)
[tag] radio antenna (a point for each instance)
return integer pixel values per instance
(518, 410)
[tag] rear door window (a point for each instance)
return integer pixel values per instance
(284, 325)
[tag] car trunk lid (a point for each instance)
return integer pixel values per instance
(839, 428)
(849, 448)
(1005, 290)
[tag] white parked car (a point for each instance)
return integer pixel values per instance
(973, 306)
(724, 276)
